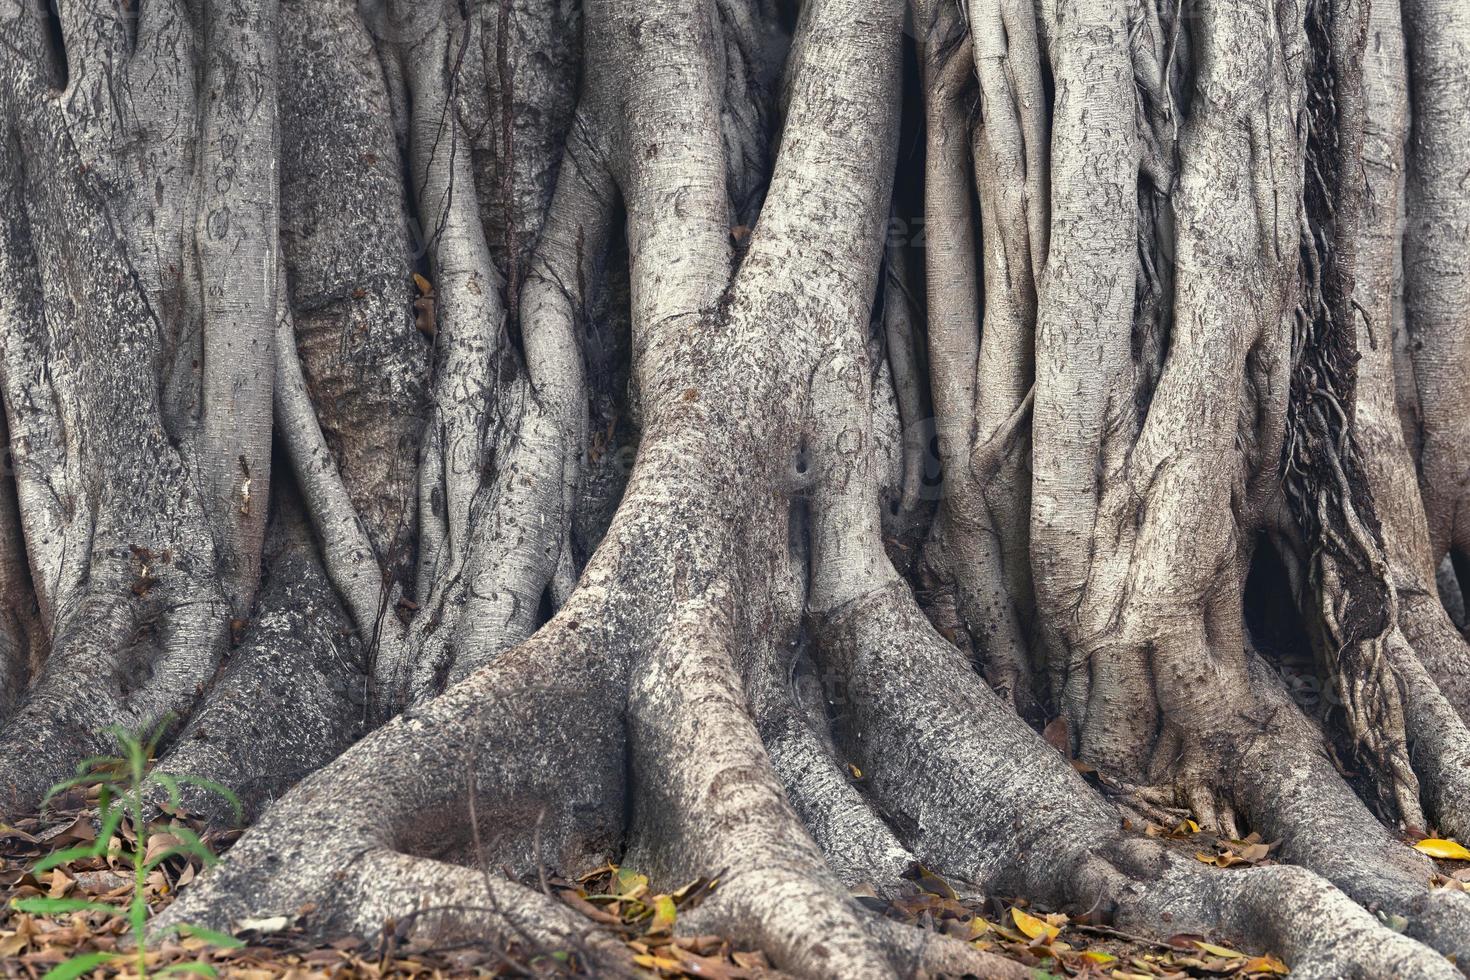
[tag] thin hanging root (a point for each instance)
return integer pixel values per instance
(951, 254)
(570, 257)
(1356, 606)
(898, 326)
(1439, 741)
(37, 453)
(347, 553)
(1011, 176)
(237, 243)
(22, 641)
(979, 539)
(1439, 645)
(858, 846)
(464, 302)
(518, 530)
(1359, 615)
(1437, 290)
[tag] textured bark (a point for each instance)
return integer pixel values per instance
(594, 377)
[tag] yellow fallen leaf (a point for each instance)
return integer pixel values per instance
(664, 913)
(1265, 964)
(1213, 950)
(934, 884)
(629, 883)
(1033, 927)
(651, 962)
(1098, 956)
(1448, 849)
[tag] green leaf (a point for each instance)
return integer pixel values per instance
(68, 854)
(138, 911)
(99, 767)
(169, 783)
(218, 789)
(158, 733)
(57, 906)
(111, 820)
(58, 788)
(664, 914)
(629, 882)
(191, 845)
(133, 752)
(126, 741)
(220, 939)
(164, 855)
(107, 800)
(80, 965)
(203, 969)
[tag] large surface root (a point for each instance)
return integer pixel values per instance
(376, 839)
(962, 783)
(499, 221)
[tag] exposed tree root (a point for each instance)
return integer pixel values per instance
(291, 698)
(1149, 272)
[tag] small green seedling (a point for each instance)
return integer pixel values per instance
(124, 784)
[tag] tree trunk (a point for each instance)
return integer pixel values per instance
(495, 435)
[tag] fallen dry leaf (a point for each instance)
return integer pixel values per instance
(1447, 849)
(1033, 927)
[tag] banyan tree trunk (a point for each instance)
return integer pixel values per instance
(525, 433)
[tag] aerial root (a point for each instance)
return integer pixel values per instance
(816, 932)
(859, 847)
(711, 803)
(1439, 645)
(1439, 743)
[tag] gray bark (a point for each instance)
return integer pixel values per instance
(599, 528)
